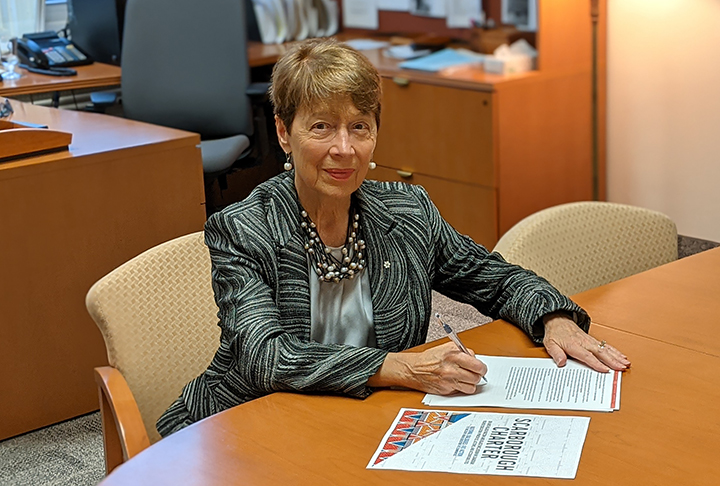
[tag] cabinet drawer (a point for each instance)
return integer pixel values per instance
(437, 131)
(469, 209)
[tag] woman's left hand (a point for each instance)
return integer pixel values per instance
(564, 338)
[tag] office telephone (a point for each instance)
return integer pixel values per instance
(47, 53)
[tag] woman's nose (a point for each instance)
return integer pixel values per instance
(342, 144)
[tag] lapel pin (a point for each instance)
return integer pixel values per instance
(386, 264)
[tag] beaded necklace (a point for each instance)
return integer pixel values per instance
(327, 267)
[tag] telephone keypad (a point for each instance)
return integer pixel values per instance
(54, 56)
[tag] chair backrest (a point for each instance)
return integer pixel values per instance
(579, 246)
(185, 65)
(158, 317)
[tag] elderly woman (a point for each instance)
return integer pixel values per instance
(322, 277)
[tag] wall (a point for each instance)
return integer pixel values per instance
(664, 110)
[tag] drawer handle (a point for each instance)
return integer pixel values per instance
(403, 82)
(404, 174)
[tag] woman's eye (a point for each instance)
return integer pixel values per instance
(360, 126)
(321, 126)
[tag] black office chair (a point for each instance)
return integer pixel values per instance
(185, 65)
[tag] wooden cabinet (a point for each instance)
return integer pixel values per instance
(437, 131)
(491, 149)
(451, 156)
(471, 209)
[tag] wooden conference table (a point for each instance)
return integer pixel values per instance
(666, 431)
(66, 219)
(685, 296)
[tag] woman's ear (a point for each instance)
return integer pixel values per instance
(282, 134)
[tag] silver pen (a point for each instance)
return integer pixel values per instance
(454, 338)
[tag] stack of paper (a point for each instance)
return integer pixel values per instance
(539, 383)
(503, 444)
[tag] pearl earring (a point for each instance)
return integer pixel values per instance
(372, 165)
(288, 161)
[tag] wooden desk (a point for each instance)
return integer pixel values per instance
(489, 149)
(260, 54)
(665, 432)
(67, 219)
(96, 75)
(99, 75)
(684, 293)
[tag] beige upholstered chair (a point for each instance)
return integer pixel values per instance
(158, 317)
(579, 246)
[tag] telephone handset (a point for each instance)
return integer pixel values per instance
(47, 53)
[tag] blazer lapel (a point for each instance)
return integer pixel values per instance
(387, 267)
(292, 294)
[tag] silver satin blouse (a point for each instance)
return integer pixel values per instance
(341, 313)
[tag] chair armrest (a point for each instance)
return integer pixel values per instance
(124, 433)
(104, 99)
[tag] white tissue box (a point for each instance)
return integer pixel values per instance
(508, 65)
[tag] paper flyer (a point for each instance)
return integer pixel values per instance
(483, 443)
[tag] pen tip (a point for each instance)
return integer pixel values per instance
(437, 315)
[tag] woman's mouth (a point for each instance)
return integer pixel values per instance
(340, 174)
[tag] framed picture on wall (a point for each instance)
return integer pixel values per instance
(520, 13)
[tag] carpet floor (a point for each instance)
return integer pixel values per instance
(65, 454)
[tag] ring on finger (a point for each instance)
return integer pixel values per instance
(602, 344)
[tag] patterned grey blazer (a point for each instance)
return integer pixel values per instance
(261, 284)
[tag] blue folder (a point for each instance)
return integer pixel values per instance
(439, 60)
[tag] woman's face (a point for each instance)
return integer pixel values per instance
(331, 147)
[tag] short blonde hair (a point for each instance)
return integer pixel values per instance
(319, 72)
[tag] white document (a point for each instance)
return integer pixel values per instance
(366, 44)
(302, 29)
(405, 51)
(462, 13)
(312, 18)
(361, 14)
(265, 15)
(428, 8)
(539, 383)
(333, 16)
(280, 19)
(483, 443)
(397, 5)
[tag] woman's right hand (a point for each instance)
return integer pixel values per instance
(441, 370)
